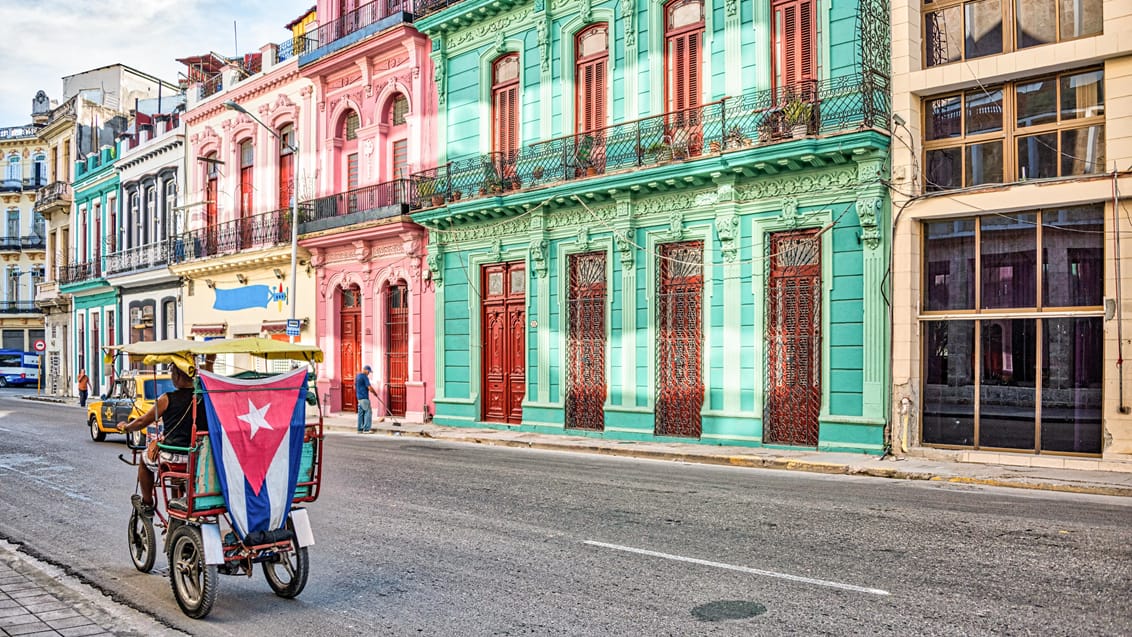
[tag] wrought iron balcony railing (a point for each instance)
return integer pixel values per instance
(9, 243)
(353, 21)
(140, 258)
(33, 242)
(19, 307)
(261, 231)
(79, 272)
(58, 191)
(325, 210)
(16, 132)
(729, 125)
(429, 7)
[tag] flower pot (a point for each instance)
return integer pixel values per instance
(713, 147)
(591, 171)
(799, 130)
(537, 172)
(438, 200)
(456, 195)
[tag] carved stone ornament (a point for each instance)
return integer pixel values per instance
(629, 19)
(538, 257)
(496, 250)
(789, 210)
(728, 230)
(676, 225)
(584, 238)
(731, 7)
(868, 210)
(433, 260)
(624, 241)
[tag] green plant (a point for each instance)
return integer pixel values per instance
(426, 187)
(797, 112)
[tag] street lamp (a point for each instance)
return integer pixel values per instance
(294, 148)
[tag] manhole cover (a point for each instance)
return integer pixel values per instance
(728, 609)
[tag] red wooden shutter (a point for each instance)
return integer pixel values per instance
(286, 178)
(246, 189)
(506, 120)
(794, 42)
(591, 62)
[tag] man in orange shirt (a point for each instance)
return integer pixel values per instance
(84, 385)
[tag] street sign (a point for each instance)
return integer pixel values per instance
(39, 345)
(292, 327)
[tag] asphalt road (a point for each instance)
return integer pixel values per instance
(423, 538)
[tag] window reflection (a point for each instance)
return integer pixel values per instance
(949, 385)
(1071, 385)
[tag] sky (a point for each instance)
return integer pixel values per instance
(42, 41)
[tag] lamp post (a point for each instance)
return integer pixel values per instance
(294, 148)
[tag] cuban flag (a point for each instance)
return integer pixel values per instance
(256, 429)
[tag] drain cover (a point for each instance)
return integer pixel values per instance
(727, 609)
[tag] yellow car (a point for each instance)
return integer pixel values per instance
(130, 397)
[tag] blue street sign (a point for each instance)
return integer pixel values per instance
(292, 327)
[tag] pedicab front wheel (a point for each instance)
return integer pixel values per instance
(193, 581)
(143, 543)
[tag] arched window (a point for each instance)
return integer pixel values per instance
(211, 190)
(170, 212)
(135, 215)
(348, 169)
(505, 105)
(591, 63)
(150, 220)
(286, 165)
(793, 55)
(397, 137)
(170, 313)
(247, 183)
(683, 45)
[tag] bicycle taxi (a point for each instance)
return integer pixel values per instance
(234, 502)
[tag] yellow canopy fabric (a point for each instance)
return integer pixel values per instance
(180, 352)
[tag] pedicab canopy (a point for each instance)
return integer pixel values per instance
(256, 426)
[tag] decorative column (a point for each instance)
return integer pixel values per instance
(539, 265)
(727, 228)
(871, 206)
(629, 23)
(546, 102)
(733, 46)
(623, 241)
(435, 262)
(440, 75)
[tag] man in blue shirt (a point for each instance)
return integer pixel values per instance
(363, 389)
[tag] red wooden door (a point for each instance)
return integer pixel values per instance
(585, 345)
(349, 323)
(504, 365)
(679, 362)
(397, 348)
(793, 336)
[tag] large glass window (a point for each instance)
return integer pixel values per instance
(957, 30)
(1037, 128)
(1005, 363)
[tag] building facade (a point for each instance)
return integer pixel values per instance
(234, 259)
(150, 166)
(661, 221)
(375, 126)
(22, 247)
(1008, 277)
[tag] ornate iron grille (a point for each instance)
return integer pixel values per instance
(585, 398)
(140, 258)
(679, 374)
(249, 233)
(793, 339)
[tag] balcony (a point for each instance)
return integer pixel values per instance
(370, 203)
(353, 26)
(730, 125)
(33, 242)
(78, 272)
(52, 198)
(147, 257)
(9, 244)
(19, 307)
(262, 231)
(18, 132)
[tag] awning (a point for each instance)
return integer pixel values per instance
(209, 329)
(279, 327)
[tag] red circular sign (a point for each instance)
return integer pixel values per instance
(39, 345)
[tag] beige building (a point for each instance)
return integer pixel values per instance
(1012, 250)
(24, 160)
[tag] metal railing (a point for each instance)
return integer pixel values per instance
(140, 258)
(78, 272)
(16, 132)
(211, 86)
(428, 7)
(250, 233)
(52, 192)
(9, 243)
(731, 124)
(33, 241)
(389, 193)
(19, 307)
(355, 20)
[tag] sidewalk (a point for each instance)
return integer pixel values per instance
(1050, 473)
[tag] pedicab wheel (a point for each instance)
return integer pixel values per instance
(193, 581)
(143, 543)
(136, 439)
(287, 572)
(96, 433)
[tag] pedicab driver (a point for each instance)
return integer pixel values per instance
(176, 411)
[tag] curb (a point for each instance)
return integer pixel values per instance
(783, 464)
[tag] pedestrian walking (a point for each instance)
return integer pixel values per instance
(84, 386)
(363, 389)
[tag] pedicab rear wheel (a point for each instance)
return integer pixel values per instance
(286, 573)
(193, 581)
(143, 543)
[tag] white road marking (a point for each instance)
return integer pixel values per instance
(742, 569)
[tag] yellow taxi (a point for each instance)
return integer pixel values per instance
(130, 396)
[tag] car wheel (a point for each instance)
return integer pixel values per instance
(3, 382)
(96, 433)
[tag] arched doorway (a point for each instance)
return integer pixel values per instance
(396, 346)
(350, 333)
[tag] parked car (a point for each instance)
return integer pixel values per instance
(131, 396)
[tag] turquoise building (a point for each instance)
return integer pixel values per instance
(94, 302)
(661, 221)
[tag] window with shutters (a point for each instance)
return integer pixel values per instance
(286, 165)
(590, 82)
(683, 38)
(505, 105)
(347, 148)
(794, 57)
(247, 184)
(397, 110)
(212, 173)
(350, 126)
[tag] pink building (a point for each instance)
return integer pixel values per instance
(375, 104)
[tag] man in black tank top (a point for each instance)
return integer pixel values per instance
(176, 411)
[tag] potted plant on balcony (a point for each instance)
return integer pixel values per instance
(538, 172)
(584, 156)
(660, 152)
(426, 191)
(798, 116)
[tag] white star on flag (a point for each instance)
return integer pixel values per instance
(255, 417)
